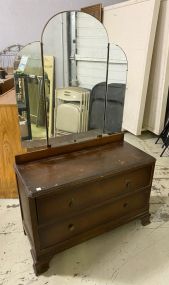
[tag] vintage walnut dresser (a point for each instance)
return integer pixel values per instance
(69, 194)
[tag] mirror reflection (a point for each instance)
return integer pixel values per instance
(29, 92)
(78, 44)
(116, 87)
(72, 84)
(7, 57)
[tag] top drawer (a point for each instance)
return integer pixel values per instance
(71, 200)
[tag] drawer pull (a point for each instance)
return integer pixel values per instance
(125, 205)
(71, 227)
(128, 183)
(71, 203)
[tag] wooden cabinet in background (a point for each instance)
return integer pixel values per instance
(6, 84)
(95, 11)
(10, 144)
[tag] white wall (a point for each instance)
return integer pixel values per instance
(21, 21)
(91, 56)
(156, 101)
(132, 25)
(92, 42)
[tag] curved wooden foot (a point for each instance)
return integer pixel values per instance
(145, 220)
(41, 263)
(40, 267)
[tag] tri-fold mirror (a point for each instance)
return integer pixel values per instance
(72, 83)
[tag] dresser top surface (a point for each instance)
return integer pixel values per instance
(84, 165)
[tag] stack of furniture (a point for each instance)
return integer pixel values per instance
(72, 109)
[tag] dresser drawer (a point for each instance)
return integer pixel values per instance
(69, 201)
(64, 230)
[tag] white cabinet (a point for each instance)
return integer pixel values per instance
(157, 94)
(132, 26)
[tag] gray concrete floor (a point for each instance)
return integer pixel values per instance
(131, 254)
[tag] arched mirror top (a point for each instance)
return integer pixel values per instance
(93, 22)
(77, 45)
(117, 53)
(82, 73)
(31, 58)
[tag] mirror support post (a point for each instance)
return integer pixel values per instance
(106, 94)
(44, 96)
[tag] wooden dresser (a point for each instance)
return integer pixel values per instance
(10, 144)
(69, 194)
(6, 84)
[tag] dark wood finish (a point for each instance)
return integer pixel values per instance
(95, 11)
(61, 140)
(79, 198)
(6, 84)
(68, 148)
(69, 194)
(8, 98)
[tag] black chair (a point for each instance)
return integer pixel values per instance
(164, 136)
(113, 114)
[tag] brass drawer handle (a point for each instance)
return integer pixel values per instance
(128, 183)
(71, 227)
(71, 203)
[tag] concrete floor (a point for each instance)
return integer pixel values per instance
(131, 254)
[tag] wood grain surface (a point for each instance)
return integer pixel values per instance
(8, 98)
(6, 84)
(10, 145)
(72, 193)
(95, 11)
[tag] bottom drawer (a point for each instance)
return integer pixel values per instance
(66, 229)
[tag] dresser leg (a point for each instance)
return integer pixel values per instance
(40, 267)
(145, 220)
(41, 263)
